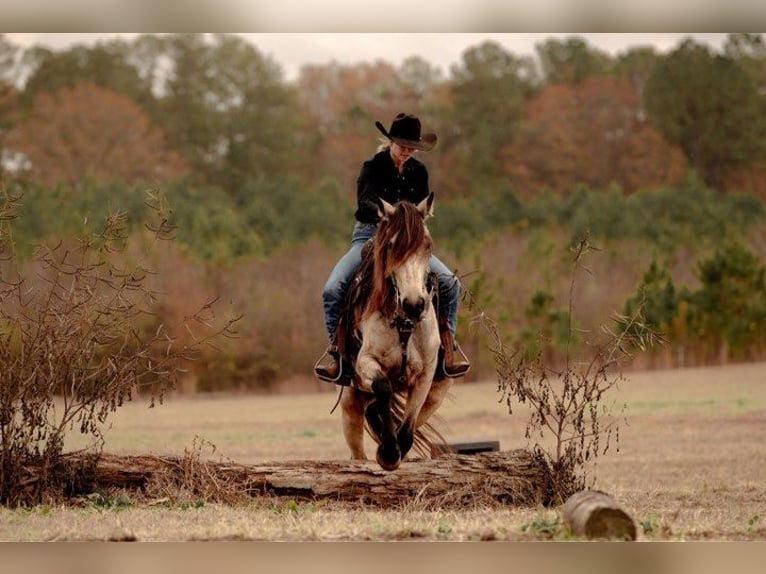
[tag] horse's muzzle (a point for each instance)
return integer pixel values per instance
(413, 309)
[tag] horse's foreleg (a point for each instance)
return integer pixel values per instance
(353, 405)
(388, 455)
(371, 378)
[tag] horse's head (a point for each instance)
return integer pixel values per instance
(402, 252)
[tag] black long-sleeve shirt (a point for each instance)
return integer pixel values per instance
(380, 178)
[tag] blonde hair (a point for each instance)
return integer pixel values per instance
(383, 143)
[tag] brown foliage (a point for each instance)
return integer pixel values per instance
(570, 417)
(593, 133)
(74, 346)
(281, 302)
(90, 132)
(751, 179)
(344, 102)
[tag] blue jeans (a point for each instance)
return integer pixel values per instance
(334, 290)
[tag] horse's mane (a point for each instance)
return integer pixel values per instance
(396, 239)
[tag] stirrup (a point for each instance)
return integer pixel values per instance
(339, 380)
(455, 350)
(455, 375)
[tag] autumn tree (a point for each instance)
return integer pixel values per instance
(344, 101)
(87, 132)
(593, 133)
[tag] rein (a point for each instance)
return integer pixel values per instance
(404, 327)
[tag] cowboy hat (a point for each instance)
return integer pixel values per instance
(405, 130)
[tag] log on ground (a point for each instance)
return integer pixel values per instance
(595, 515)
(509, 477)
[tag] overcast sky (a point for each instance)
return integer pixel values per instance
(293, 50)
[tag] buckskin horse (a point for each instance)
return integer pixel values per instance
(391, 339)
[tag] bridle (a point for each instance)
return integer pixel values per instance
(404, 325)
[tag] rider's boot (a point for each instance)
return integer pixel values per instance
(455, 362)
(328, 367)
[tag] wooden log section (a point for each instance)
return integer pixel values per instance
(594, 515)
(512, 477)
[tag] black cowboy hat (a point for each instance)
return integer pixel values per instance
(405, 130)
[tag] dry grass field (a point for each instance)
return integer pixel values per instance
(690, 464)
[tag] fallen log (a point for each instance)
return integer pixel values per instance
(594, 515)
(511, 478)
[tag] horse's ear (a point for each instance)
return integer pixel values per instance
(426, 207)
(385, 209)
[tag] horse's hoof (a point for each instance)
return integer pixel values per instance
(388, 460)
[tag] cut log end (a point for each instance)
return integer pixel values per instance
(610, 524)
(595, 515)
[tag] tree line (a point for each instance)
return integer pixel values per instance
(657, 157)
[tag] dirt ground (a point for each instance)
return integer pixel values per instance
(690, 464)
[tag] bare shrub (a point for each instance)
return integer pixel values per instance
(571, 418)
(193, 479)
(77, 339)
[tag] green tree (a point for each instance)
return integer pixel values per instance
(707, 105)
(728, 311)
(7, 58)
(419, 76)
(461, 222)
(8, 94)
(658, 296)
(228, 111)
(570, 61)
(489, 90)
(277, 212)
(689, 215)
(657, 303)
(546, 329)
(106, 65)
(749, 51)
(636, 65)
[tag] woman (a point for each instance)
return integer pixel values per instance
(393, 175)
